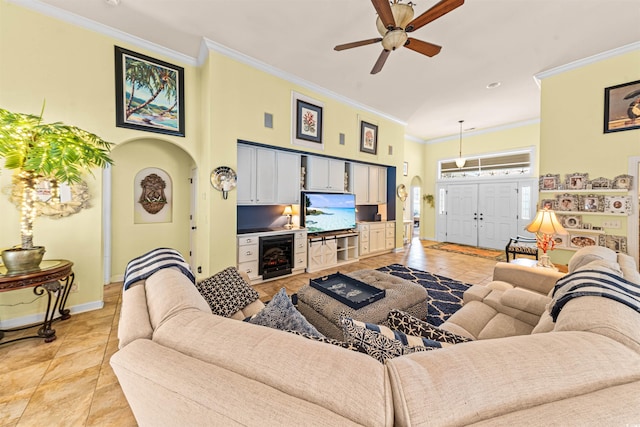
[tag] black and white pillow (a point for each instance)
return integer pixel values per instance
(227, 292)
(280, 313)
(411, 325)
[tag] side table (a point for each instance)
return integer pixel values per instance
(53, 277)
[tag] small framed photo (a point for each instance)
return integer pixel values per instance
(617, 204)
(577, 181)
(586, 226)
(622, 107)
(567, 202)
(622, 182)
(570, 221)
(405, 168)
(368, 138)
(615, 243)
(149, 93)
(307, 121)
(549, 182)
(561, 240)
(581, 240)
(549, 204)
(600, 183)
(592, 203)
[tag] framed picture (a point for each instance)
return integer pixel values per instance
(405, 168)
(549, 182)
(549, 204)
(307, 121)
(577, 181)
(615, 243)
(561, 240)
(368, 138)
(617, 204)
(592, 203)
(622, 107)
(622, 182)
(149, 94)
(600, 183)
(570, 221)
(567, 202)
(581, 240)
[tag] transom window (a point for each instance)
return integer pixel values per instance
(500, 164)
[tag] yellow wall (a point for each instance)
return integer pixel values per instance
(571, 133)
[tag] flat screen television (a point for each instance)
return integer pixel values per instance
(323, 212)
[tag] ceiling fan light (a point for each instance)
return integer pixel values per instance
(402, 15)
(394, 40)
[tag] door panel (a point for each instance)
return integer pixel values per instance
(497, 214)
(461, 214)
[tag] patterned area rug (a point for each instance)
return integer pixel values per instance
(444, 294)
(467, 250)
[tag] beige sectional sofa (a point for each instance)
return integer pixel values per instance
(179, 364)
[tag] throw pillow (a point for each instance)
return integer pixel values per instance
(412, 325)
(280, 313)
(380, 342)
(227, 292)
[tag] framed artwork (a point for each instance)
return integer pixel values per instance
(570, 221)
(307, 121)
(405, 168)
(368, 138)
(581, 240)
(549, 204)
(617, 204)
(615, 243)
(561, 240)
(577, 181)
(149, 94)
(549, 182)
(622, 107)
(567, 202)
(592, 203)
(622, 182)
(600, 183)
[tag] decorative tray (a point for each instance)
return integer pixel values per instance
(349, 291)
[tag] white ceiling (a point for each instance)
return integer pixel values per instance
(484, 41)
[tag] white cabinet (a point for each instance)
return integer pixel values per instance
(390, 235)
(364, 239)
(377, 185)
(248, 251)
(369, 184)
(300, 251)
(324, 174)
(360, 182)
(267, 176)
(376, 237)
(331, 251)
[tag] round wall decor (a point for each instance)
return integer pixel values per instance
(224, 179)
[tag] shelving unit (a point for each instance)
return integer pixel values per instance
(331, 250)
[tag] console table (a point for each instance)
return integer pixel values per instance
(53, 277)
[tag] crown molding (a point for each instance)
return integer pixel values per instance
(486, 130)
(586, 61)
(209, 45)
(88, 24)
(414, 139)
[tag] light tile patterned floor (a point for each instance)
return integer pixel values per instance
(69, 382)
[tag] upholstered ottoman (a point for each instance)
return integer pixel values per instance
(324, 312)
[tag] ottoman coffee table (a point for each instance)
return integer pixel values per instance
(324, 312)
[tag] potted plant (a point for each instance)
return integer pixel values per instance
(38, 151)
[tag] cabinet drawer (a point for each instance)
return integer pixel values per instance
(377, 226)
(390, 232)
(251, 268)
(389, 244)
(243, 241)
(364, 248)
(390, 225)
(248, 253)
(300, 235)
(300, 261)
(300, 247)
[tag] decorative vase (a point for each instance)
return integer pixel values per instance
(19, 260)
(545, 261)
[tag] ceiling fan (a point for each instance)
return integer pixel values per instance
(394, 21)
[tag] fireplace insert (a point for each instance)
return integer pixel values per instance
(276, 255)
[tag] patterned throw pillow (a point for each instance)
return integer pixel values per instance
(412, 325)
(227, 292)
(280, 313)
(382, 343)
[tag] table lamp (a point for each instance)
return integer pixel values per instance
(544, 226)
(288, 212)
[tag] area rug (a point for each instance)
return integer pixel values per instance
(467, 250)
(444, 294)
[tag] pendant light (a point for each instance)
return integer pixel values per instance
(460, 161)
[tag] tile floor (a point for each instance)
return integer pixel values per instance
(69, 382)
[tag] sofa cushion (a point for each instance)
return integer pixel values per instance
(628, 267)
(280, 313)
(227, 292)
(382, 343)
(408, 324)
(588, 254)
(326, 340)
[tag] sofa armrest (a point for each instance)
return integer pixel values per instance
(134, 315)
(539, 280)
(524, 300)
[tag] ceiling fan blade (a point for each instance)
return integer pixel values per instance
(380, 62)
(357, 44)
(441, 8)
(384, 12)
(424, 48)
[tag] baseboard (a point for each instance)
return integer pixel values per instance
(39, 317)
(117, 278)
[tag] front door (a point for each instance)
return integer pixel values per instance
(462, 214)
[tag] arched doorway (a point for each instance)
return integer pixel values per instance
(415, 205)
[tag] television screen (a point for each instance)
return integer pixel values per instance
(322, 212)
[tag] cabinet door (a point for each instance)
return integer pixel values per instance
(376, 239)
(382, 185)
(360, 183)
(246, 175)
(317, 173)
(265, 176)
(288, 178)
(336, 175)
(374, 184)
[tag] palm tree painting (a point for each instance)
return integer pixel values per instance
(149, 93)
